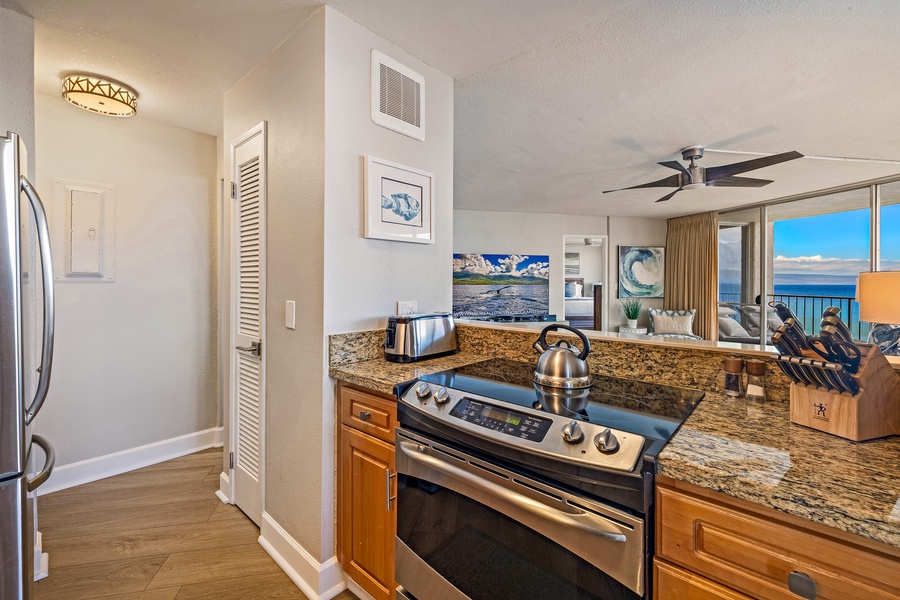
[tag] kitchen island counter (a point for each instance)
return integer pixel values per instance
(753, 452)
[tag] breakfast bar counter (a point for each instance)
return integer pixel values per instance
(753, 452)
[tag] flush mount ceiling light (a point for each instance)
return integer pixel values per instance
(100, 96)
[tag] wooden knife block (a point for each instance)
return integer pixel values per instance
(873, 412)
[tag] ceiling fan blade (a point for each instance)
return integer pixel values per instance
(749, 165)
(668, 196)
(739, 182)
(674, 164)
(672, 181)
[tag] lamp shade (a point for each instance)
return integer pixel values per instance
(100, 96)
(878, 293)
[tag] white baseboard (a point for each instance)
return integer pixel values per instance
(358, 591)
(224, 488)
(101, 467)
(318, 581)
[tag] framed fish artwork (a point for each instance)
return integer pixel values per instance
(398, 202)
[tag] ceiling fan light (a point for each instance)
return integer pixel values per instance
(100, 95)
(693, 186)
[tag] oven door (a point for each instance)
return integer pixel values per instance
(469, 529)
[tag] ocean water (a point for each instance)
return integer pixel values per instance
(808, 300)
(472, 300)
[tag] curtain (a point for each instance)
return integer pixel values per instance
(692, 270)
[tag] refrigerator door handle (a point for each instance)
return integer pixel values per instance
(41, 477)
(40, 219)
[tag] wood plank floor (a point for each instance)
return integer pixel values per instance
(158, 533)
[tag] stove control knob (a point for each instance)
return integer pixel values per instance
(442, 397)
(572, 433)
(423, 391)
(606, 442)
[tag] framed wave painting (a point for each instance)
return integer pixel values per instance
(399, 202)
(641, 271)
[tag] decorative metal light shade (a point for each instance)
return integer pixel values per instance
(100, 96)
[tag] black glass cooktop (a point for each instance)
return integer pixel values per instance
(650, 410)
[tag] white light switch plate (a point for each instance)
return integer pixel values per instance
(407, 307)
(290, 314)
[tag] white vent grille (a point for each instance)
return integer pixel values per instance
(397, 96)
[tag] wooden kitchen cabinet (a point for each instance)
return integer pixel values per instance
(367, 515)
(706, 540)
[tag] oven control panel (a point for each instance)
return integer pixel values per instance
(527, 428)
(504, 420)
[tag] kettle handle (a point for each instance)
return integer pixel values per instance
(541, 344)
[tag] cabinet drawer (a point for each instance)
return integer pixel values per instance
(673, 583)
(369, 413)
(754, 552)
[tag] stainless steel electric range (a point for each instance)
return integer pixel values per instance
(508, 490)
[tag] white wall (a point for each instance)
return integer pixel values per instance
(314, 93)
(364, 278)
(287, 90)
(524, 233)
(625, 231)
(486, 232)
(135, 360)
(17, 79)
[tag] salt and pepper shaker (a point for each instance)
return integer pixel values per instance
(756, 380)
(734, 377)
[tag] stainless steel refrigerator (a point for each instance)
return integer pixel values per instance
(26, 350)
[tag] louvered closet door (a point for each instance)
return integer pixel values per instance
(248, 302)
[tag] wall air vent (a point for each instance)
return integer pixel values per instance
(398, 95)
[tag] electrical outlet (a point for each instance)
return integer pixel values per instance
(407, 307)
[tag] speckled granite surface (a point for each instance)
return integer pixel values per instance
(753, 452)
(681, 364)
(740, 448)
(381, 375)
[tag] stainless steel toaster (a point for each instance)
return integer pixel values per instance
(410, 338)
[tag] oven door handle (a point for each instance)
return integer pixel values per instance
(579, 519)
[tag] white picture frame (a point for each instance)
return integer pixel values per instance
(399, 202)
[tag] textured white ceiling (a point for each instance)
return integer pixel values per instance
(179, 55)
(555, 101)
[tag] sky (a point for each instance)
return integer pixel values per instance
(835, 244)
(495, 264)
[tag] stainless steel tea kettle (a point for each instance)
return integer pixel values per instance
(562, 365)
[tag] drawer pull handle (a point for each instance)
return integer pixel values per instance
(364, 415)
(802, 585)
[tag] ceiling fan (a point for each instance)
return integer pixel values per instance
(694, 176)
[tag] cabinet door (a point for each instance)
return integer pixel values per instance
(368, 515)
(673, 583)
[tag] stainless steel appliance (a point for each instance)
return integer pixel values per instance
(410, 338)
(23, 384)
(511, 490)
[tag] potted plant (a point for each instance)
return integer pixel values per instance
(632, 308)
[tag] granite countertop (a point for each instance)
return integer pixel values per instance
(753, 452)
(746, 450)
(381, 375)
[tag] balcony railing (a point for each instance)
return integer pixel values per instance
(809, 310)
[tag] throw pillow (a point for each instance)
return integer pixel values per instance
(731, 328)
(726, 311)
(570, 289)
(656, 312)
(674, 325)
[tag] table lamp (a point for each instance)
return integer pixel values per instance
(878, 293)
